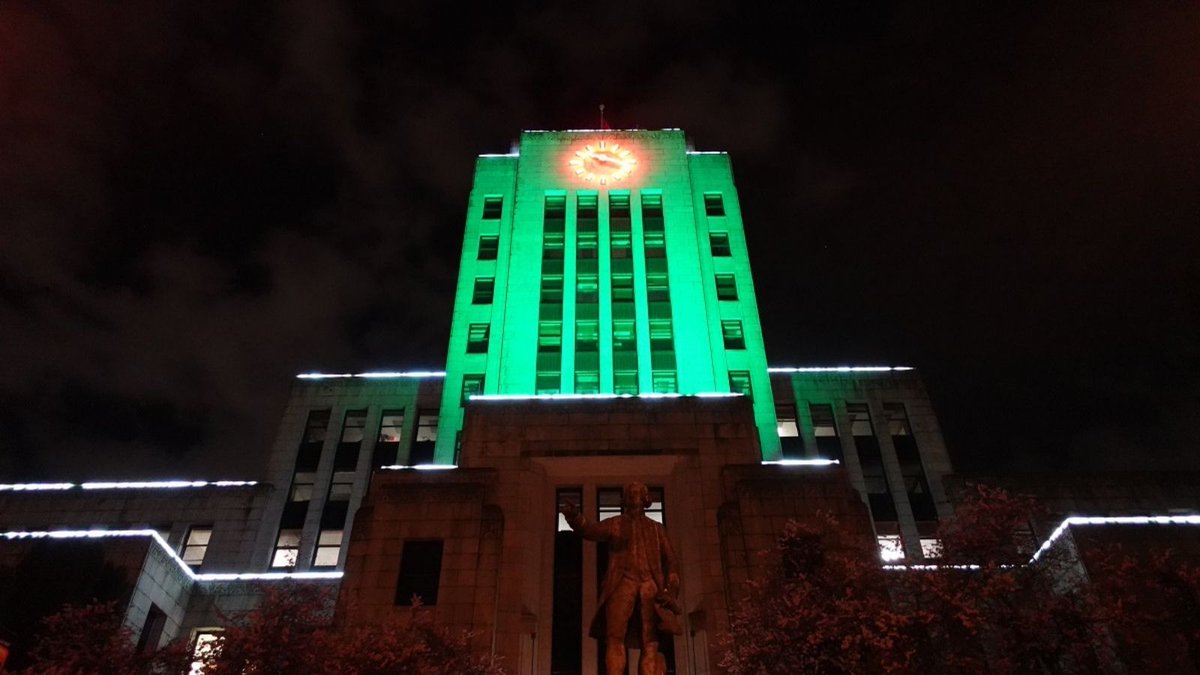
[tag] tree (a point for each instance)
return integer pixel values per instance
(823, 608)
(93, 640)
(826, 606)
(290, 631)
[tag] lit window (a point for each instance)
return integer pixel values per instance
(352, 429)
(931, 547)
(731, 331)
(546, 382)
(195, 545)
(625, 382)
(714, 205)
(587, 382)
(622, 288)
(726, 287)
(652, 212)
(204, 644)
(472, 385)
(657, 289)
(477, 338)
(493, 205)
(387, 447)
(573, 495)
(488, 247)
(890, 548)
(739, 382)
(618, 208)
(549, 336)
(329, 546)
(482, 293)
(552, 289)
(663, 381)
(287, 549)
(420, 572)
(789, 430)
(719, 242)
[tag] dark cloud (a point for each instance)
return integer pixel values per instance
(200, 200)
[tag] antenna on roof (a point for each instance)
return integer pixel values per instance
(603, 124)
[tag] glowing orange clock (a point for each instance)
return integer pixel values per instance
(603, 162)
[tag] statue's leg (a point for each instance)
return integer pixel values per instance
(618, 610)
(651, 661)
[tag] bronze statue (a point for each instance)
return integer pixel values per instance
(642, 575)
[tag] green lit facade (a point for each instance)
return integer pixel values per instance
(638, 285)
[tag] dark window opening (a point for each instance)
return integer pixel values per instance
(420, 573)
(493, 206)
(719, 241)
(739, 382)
(482, 293)
(566, 629)
(472, 385)
(477, 338)
(731, 332)
(714, 204)
(488, 248)
(152, 630)
(426, 438)
(387, 446)
(726, 287)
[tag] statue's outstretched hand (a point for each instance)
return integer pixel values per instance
(569, 510)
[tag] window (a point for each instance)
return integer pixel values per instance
(353, 431)
(204, 643)
(341, 486)
(879, 495)
(488, 247)
(152, 630)
(931, 548)
(472, 385)
(287, 549)
(731, 332)
(618, 209)
(622, 288)
(426, 440)
(726, 287)
(482, 293)
(610, 502)
(788, 429)
(663, 381)
(739, 382)
(912, 470)
(387, 447)
(195, 545)
(625, 382)
(587, 382)
(652, 212)
(477, 338)
(315, 429)
(552, 289)
(890, 547)
(585, 217)
(714, 205)
(420, 572)
(493, 206)
(329, 546)
(719, 241)
(829, 446)
(302, 486)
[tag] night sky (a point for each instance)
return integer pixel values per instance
(199, 200)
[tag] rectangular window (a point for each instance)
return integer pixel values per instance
(719, 241)
(152, 630)
(622, 288)
(493, 206)
(489, 246)
(566, 625)
(731, 332)
(788, 428)
(204, 645)
(549, 336)
(726, 287)
(912, 470)
(472, 385)
(482, 293)
(341, 486)
(714, 204)
(552, 290)
(477, 338)
(587, 382)
(426, 438)
(829, 446)
(315, 430)
(625, 382)
(387, 446)
(739, 382)
(890, 547)
(287, 548)
(618, 212)
(555, 214)
(302, 486)
(195, 545)
(547, 382)
(329, 547)
(879, 495)
(663, 381)
(662, 345)
(652, 212)
(420, 573)
(586, 220)
(352, 427)
(610, 502)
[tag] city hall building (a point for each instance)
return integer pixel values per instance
(605, 330)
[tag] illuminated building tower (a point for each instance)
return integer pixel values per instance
(604, 262)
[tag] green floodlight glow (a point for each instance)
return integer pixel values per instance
(589, 269)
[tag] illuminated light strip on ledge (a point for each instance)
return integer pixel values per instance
(125, 485)
(595, 397)
(157, 538)
(1191, 519)
(419, 467)
(373, 375)
(815, 461)
(841, 369)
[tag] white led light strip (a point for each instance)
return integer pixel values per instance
(815, 461)
(377, 375)
(840, 369)
(420, 467)
(213, 576)
(125, 485)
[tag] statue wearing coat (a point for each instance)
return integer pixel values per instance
(638, 599)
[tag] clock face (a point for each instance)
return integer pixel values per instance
(602, 162)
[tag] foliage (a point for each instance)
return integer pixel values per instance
(824, 609)
(290, 631)
(93, 640)
(826, 606)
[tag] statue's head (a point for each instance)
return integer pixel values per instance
(637, 498)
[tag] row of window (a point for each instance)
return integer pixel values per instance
(493, 205)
